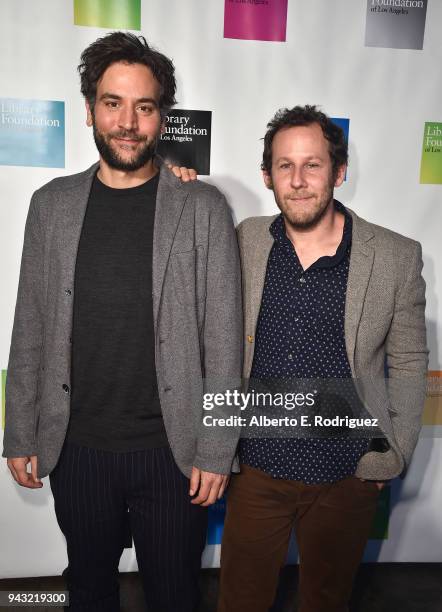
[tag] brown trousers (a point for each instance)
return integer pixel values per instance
(331, 522)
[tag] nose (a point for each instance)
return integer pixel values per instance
(297, 178)
(127, 118)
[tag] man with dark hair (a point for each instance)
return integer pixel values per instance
(304, 116)
(131, 49)
(326, 296)
(129, 295)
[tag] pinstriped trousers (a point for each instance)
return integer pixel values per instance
(96, 493)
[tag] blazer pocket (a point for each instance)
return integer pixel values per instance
(189, 275)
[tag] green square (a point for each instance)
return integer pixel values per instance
(379, 527)
(3, 397)
(110, 14)
(431, 164)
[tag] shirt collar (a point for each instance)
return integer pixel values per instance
(277, 230)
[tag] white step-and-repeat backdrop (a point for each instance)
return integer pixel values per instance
(373, 65)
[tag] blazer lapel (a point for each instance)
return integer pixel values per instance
(169, 205)
(259, 267)
(361, 264)
(261, 245)
(74, 208)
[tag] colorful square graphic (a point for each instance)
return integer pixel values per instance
(433, 405)
(255, 19)
(111, 14)
(344, 124)
(379, 527)
(431, 162)
(395, 24)
(3, 397)
(32, 133)
(186, 139)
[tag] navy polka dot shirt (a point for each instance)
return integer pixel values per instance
(300, 334)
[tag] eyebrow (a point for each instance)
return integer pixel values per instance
(113, 96)
(307, 158)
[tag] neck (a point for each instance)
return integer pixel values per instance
(122, 179)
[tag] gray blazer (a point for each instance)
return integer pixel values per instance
(384, 326)
(197, 318)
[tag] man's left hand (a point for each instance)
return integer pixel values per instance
(209, 486)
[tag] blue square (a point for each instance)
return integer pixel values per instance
(216, 522)
(32, 133)
(344, 124)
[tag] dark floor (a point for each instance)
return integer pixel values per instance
(379, 587)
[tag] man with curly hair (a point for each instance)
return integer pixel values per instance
(331, 301)
(128, 303)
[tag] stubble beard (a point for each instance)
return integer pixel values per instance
(114, 160)
(304, 219)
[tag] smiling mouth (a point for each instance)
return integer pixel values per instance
(127, 140)
(298, 199)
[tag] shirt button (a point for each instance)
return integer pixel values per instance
(68, 291)
(302, 280)
(66, 389)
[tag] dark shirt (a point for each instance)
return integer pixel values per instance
(115, 404)
(300, 335)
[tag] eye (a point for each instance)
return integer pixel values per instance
(284, 166)
(146, 109)
(112, 104)
(312, 165)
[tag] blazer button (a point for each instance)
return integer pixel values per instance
(66, 389)
(250, 339)
(167, 389)
(68, 292)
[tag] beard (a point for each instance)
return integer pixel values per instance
(114, 160)
(308, 214)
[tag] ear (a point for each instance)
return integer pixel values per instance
(267, 179)
(340, 176)
(89, 118)
(163, 126)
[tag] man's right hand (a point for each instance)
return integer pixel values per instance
(18, 465)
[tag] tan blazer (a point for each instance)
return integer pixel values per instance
(384, 330)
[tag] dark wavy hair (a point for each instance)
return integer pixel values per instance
(126, 47)
(306, 115)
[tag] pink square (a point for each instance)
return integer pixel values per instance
(255, 19)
